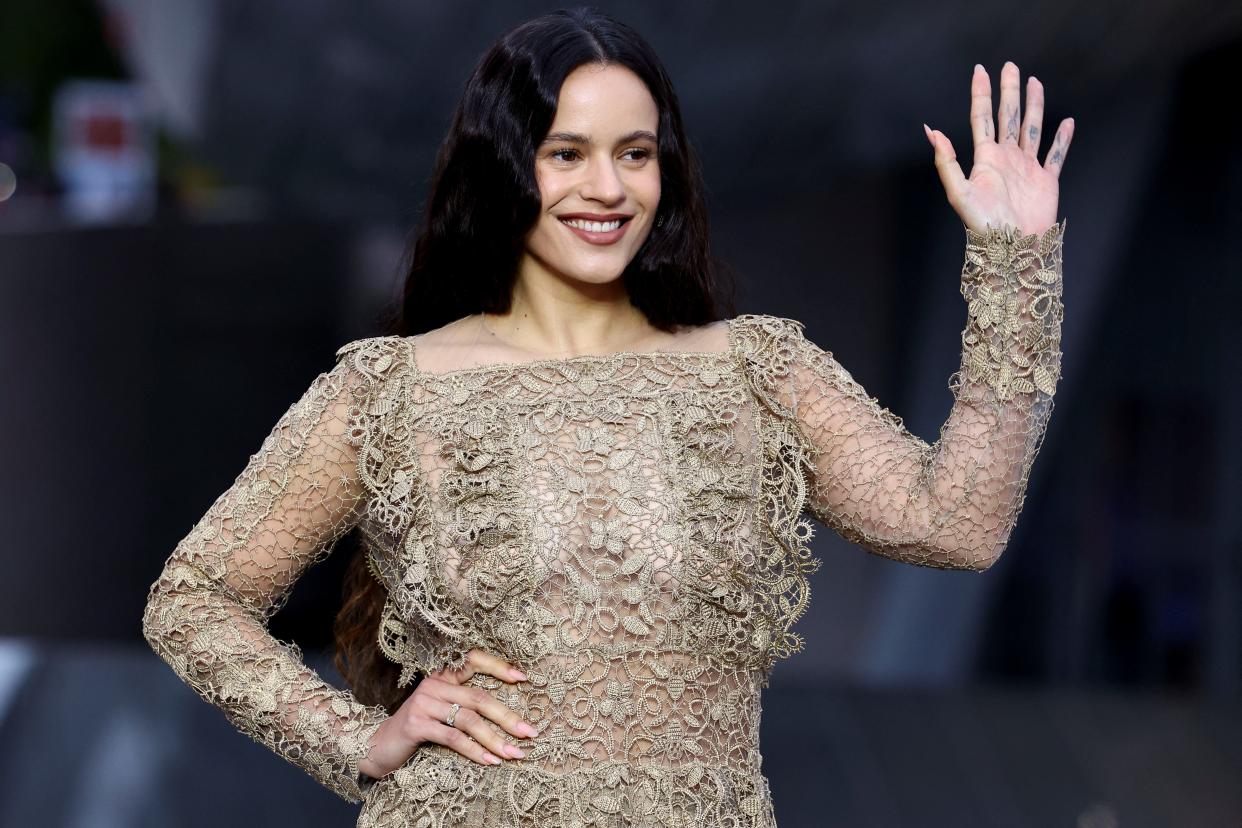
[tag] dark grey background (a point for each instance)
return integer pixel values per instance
(1090, 678)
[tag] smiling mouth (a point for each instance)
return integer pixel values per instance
(595, 226)
(597, 232)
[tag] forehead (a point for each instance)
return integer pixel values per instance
(599, 100)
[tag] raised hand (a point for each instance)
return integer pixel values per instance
(1007, 184)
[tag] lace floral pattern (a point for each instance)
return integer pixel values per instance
(631, 530)
(1013, 286)
(442, 789)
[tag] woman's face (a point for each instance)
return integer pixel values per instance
(599, 176)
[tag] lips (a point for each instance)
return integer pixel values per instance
(596, 236)
(596, 216)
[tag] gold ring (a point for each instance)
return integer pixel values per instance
(452, 714)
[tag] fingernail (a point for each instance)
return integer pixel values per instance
(518, 674)
(495, 760)
(515, 751)
(978, 67)
(528, 729)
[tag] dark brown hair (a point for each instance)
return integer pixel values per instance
(484, 198)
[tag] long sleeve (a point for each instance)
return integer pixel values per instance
(951, 504)
(207, 613)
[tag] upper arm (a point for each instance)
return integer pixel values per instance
(865, 467)
(295, 496)
(866, 475)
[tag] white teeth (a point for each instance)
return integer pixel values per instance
(594, 226)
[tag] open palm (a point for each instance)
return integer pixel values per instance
(1007, 184)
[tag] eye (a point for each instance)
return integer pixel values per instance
(632, 154)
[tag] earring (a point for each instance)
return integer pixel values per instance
(660, 221)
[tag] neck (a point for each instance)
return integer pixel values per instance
(556, 317)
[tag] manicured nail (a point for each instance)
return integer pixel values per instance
(978, 67)
(494, 760)
(528, 729)
(515, 751)
(517, 674)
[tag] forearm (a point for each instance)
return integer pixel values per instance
(262, 685)
(1011, 363)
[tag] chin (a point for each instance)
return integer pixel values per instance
(595, 274)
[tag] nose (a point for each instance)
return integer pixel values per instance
(602, 183)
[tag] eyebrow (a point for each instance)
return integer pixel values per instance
(579, 138)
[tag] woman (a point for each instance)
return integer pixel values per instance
(581, 491)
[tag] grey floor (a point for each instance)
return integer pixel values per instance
(108, 737)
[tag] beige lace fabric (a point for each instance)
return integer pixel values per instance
(629, 529)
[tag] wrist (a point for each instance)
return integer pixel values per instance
(367, 766)
(1012, 286)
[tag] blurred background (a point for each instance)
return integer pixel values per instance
(200, 200)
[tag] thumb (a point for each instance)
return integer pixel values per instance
(946, 164)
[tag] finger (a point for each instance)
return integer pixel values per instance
(1010, 103)
(451, 737)
(981, 126)
(1034, 120)
(481, 661)
(429, 715)
(484, 703)
(493, 665)
(461, 674)
(946, 164)
(473, 723)
(1060, 146)
(443, 693)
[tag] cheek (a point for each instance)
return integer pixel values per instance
(550, 195)
(552, 187)
(649, 186)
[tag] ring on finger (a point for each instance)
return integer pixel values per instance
(452, 714)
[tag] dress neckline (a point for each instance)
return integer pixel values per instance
(728, 352)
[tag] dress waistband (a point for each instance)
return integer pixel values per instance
(440, 788)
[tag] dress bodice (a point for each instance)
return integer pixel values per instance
(620, 526)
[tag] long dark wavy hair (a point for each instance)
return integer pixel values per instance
(484, 198)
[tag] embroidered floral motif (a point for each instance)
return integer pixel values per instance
(441, 789)
(1013, 286)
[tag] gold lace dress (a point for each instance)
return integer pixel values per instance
(629, 529)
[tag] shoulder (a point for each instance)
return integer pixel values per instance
(756, 334)
(765, 320)
(374, 356)
(375, 369)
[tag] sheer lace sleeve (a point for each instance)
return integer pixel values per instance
(207, 613)
(951, 504)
